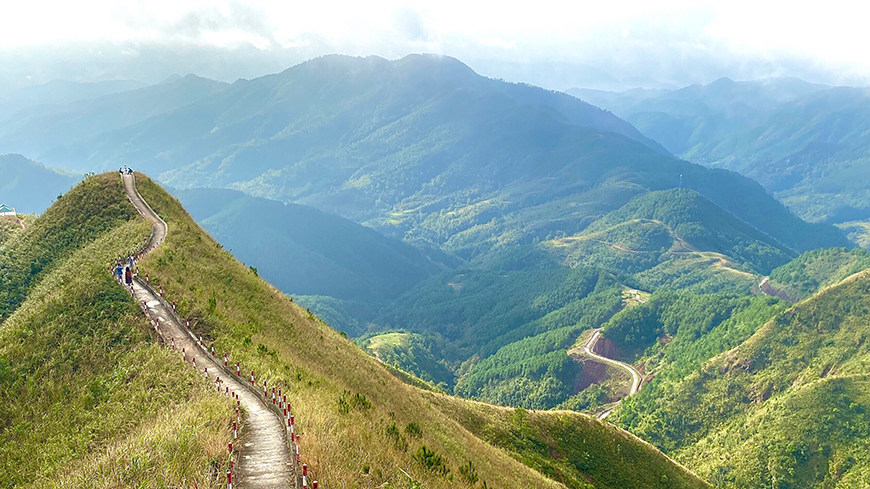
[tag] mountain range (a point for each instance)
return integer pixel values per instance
(474, 191)
(805, 143)
(76, 345)
(470, 234)
(30, 187)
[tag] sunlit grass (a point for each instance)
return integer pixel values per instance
(361, 425)
(90, 399)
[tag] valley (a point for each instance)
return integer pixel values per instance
(457, 281)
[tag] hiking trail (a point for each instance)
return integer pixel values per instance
(265, 459)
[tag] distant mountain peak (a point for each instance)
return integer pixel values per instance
(171, 78)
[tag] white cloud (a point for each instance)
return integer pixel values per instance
(618, 34)
(497, 42)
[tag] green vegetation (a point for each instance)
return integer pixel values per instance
(817, 269)
(688, 328)
(311, 253)
(788, 406)
(674, 239)
(536, 371)
(90, 399)
(8, 226)
(411, 352)
(317, 366)
(420, 148)
(541, 437)
(90, 210)
(857, 231)
(681, 220)
(515, 327)
(482, 177)
(807, 144)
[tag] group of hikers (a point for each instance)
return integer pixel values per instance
(125, 170)
(124, 271)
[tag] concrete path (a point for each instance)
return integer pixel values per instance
(265, 461)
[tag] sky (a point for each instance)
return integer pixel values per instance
(614, 44)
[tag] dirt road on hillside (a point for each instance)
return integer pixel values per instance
(265, 458)
(636, 379)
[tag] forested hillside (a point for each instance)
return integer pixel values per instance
(499, 328)
(675, 239)
(814, 270)
(304, 251)
(787, 406)
(806, 143)
(420, 148)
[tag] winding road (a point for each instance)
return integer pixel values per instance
(636, 378)
(265, 458)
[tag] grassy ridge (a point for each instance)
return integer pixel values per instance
(89, 210)
(89, 399)
(360, 423)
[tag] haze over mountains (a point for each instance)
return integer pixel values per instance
(805, 143)
(30, 186)
(474, 232)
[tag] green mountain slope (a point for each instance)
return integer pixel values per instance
(90, 399)
(677, 239)
(787, 407)
(805, 143)
(360, 423)
(29, 186)
(308, 252)
(420, 148)
(817, 269)
(498, 329)
(8, 226)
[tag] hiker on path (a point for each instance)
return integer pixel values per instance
(119, 273)
(128, 276)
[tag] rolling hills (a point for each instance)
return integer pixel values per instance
(785, 404)
(125, 412)
(499, 328)
(420, 148)
(262, 327)
(805, 143)
(476, 174)
(304, 251)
